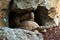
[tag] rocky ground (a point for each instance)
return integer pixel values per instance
(52, 34)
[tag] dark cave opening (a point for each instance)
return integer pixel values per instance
(39, 13)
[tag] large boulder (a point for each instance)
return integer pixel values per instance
(48, 13)
(49, 3)
(52, 5)
(58, 11)
(25, 5)
(18, 34)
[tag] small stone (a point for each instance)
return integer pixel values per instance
(44, 30)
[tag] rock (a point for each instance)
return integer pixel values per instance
(48, 13)
(49, 3)
(54, 13)
(58, 12)
(18, 34)
(4, 5)
(25, 5)
(53, 4)
(28, 25)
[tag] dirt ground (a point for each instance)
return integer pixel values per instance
(52, 34)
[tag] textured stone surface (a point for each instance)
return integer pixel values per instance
(18, 34)
(49, 3)
(48, 13)
(58, 11)
(52, 34)
(55, 9)
(25, 5)
(55, 12)
(4, 5)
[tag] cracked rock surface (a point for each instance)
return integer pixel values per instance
(18, 34)
(25, 5)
